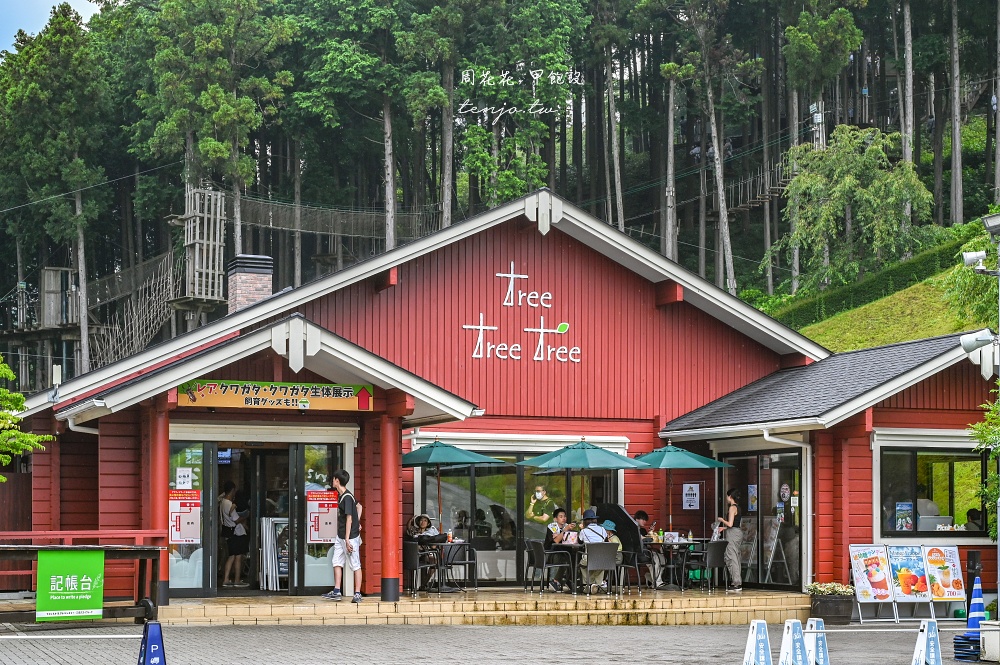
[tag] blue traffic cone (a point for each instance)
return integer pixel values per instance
(967, 645)
(977, 611)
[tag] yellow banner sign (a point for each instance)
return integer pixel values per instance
(258, 395)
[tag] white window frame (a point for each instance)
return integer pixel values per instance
(958, 440)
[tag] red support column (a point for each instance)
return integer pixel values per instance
(159, 485)
(392, 488)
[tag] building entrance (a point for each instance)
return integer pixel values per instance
(274, 483)
(771, 485)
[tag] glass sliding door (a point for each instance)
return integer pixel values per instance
(498, 522)
(314, 467)
(771, 485)
(192, 531)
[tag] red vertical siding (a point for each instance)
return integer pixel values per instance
(78, 487)
(637, 360)
(120, 471)
(958, 388)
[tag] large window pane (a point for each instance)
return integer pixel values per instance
(496, 517)
(924, 491)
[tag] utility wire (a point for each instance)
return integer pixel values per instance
(83, 189)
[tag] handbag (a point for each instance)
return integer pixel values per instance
(227, 531)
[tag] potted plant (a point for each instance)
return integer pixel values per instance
(831, 601)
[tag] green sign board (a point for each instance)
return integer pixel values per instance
(70, 585)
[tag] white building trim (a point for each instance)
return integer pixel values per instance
(946, 439)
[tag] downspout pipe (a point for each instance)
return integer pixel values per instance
(71, 422)
(807, 515)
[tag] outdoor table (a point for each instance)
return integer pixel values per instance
(575, 551)
(674, 550)
(442, 569)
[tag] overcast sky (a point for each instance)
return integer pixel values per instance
(31, 16)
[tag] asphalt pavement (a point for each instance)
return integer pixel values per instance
(321, 645)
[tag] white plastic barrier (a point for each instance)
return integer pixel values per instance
(793, 644)
(816, 646)
(758, 651)
(928, 649)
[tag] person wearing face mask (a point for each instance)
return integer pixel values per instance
(540, 507)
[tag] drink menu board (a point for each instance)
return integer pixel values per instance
(909, 574)
(944, 572)
(871, 573)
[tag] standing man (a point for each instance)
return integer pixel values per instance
(541, 507)
(348, 544)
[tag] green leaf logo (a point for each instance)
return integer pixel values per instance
(562, 327)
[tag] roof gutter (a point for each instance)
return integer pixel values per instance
(733, 431)
(70, 415)
(770, 438)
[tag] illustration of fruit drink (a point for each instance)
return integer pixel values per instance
(905, 577)
(945, 576)
(877, 579)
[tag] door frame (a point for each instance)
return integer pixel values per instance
(211, 434)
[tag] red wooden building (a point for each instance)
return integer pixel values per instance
(514, 333)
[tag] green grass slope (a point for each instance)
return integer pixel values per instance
(916, 312)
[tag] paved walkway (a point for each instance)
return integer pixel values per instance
(321, 645)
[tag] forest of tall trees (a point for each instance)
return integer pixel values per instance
(680, 122)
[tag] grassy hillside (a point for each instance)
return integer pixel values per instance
(914, 313)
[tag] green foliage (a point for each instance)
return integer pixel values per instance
(971, 295)
(12, 440)
(987, 433)
(847, 206)
(810, 309)
(818, 48)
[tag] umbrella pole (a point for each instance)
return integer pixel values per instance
(440, 511)
(670, 496)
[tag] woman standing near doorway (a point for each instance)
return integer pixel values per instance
(734, 538)
(233, 529)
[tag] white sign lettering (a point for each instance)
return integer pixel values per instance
(546, 349)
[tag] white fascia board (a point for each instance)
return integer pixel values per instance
(384, 372)
(751, 429)
(914, 437)
(890, 388)
(647, 263)
(500, 441)
(281, 302)
(240, 347)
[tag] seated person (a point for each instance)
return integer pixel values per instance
(974, 520)
(463, 526)
(418, 530)
(925, 505)
(554, 535)
(506, 535)
(592, 532)
(483, 529)
(656, 560)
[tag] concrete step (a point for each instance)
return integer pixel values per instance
(496, 608)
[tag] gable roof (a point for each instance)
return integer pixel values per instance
(305, 345)
(820, 394)
(543, 207)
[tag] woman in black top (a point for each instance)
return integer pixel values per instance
(734, 538)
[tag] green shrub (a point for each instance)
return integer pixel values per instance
(820, 306)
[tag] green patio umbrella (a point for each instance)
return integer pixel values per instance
(437, 454)
(583, 456)
(671, 457)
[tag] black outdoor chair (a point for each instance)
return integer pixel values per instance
(545, 560)
(529, 564)
(415, 561)
(460, 555)
(630, 561)
(714, 558)
(602, 556)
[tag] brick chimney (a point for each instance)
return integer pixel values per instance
(250, 280)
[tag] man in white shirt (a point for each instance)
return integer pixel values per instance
(592, 532)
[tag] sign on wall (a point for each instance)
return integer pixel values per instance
(944, 572)
(70, 585)
(321, 515)
(909, 575)
(185, 517)
(539, 343)
(871, 573)
(264, 395)
(692, 496)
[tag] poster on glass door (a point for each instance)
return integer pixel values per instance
(321, 516)
(185, 517)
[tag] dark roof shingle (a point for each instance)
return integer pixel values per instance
(815, 389)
